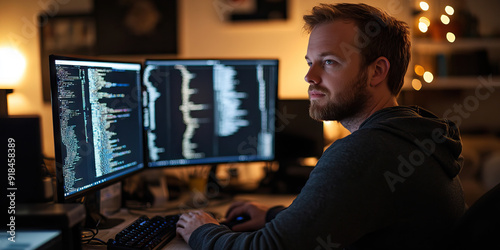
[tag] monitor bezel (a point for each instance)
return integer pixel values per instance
(60, 196)
(222, 161)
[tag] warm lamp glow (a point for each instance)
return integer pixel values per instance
(12, 65)
(18, 103)
(449, 10)
(445, 19)
(450, 37)
(428, 77)
(419, 70)
(424, 6)
(416, 84)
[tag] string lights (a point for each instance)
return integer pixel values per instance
(424, 23)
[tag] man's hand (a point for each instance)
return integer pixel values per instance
(256, 211)
(188, 222)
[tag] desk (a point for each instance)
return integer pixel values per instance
(177, 207)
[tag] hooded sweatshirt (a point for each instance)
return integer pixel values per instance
(392, 184)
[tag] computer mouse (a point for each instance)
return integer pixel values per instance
(238, 220)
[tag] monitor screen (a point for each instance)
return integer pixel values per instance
(297, 134)
(209, 111)
(97, 123)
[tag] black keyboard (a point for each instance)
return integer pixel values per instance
(146, 233)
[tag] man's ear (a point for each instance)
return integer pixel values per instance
(380, 70)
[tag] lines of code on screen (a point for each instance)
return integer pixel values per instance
(100, 122)
(209, 111)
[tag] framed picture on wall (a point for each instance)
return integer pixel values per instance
(64, 35)
(136, 27)
(116, 27)
(251, 10)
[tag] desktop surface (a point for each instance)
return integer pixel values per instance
(32, 239)
(176, 207)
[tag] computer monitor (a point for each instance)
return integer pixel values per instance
(97, 119)
(299, 145)
(297, 134)
(209, 111)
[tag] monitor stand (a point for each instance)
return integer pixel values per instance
(101, 204)
(215, 188)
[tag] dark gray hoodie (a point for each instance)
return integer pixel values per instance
(392, 184)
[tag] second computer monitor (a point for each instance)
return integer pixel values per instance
(209, 111)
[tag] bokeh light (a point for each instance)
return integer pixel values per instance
(449, 10)
(450, 37)
(428, 77)
(422, 27)
(445, 19)
(425, 20)
(419, 70)
(416, 84)
(424, 6)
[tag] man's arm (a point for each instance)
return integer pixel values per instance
(345, 197)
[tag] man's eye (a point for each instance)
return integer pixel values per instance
(309, 64)
(329, 62)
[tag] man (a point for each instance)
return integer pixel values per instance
(391, 184)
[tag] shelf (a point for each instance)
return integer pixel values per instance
(457, 82)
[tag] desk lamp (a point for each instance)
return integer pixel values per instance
(3, 102)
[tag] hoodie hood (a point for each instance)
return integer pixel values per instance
(435, 137)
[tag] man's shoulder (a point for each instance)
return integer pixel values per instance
(362, 136)
(362, 144)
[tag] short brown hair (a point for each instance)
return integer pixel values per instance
(388, 36)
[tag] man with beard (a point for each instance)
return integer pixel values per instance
(391, 184)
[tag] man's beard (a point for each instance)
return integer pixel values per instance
(345, 105)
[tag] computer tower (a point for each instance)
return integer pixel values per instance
(20, 143)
